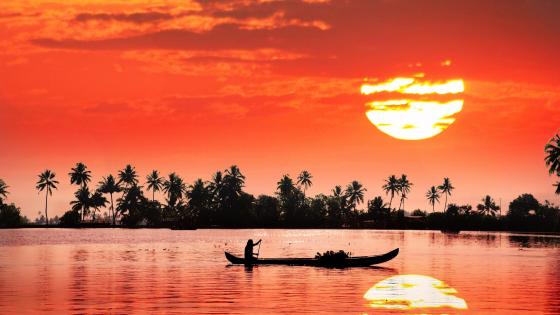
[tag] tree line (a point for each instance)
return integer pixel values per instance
(222, 202)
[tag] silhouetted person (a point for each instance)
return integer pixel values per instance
(249, 254)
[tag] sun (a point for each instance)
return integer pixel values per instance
(411, 108)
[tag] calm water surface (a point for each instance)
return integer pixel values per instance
(163, 271)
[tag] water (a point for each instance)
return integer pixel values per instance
(163, 271)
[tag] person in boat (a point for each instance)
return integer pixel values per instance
(249, 254)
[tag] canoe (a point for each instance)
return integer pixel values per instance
(358, 261)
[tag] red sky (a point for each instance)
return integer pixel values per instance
(274, 87)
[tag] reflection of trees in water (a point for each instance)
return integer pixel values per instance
(552, 295)
(44, 288)
(79, 281)
(536, 241)
(490, 239)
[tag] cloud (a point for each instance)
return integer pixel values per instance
(137, 17)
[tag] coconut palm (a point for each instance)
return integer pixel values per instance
(233, 182)
(3, 191)
(404, 187)
(83, 203)
(97, 201)
(446, 188)
(128, 176)
(337, 191)
(304, 179)
(392, 187)
(488, 206)
(355, 193)
(109, 186)
(285, 185)
(80, 175)
(552, 159)
(47, 182)
(174, 187)
(155, 183)
(433, 196)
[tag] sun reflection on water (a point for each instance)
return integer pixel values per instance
(408, 292)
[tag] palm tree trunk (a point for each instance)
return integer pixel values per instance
(390, 202)
(445, 207)
(433, 207)
(112, 208)
(46, 207)
(153, 195)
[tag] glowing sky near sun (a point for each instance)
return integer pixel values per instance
(277, 87)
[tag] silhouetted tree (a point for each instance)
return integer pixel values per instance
(520, 209)
(10, 216)
(174, 187)
(488, 206)
(433, 196)
(154, 183)
(404, 187)
(109, 186)
(392, 187)
(552, 159)
(267, 211)
(97, 201)
(355, 193)
(131, 206)
(128, 176)
(83, 201)
(200, 199)
(446, 188)
(304, 179)
(3, 191)
(377, 209)
(47, 182)
(80, 175)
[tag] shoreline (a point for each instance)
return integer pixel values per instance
(101, 226)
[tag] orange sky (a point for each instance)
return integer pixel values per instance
(274, 86)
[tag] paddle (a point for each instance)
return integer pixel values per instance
(259, 250)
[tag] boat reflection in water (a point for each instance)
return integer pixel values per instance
(413, 292)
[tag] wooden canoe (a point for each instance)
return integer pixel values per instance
(359, 261)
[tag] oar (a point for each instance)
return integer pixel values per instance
(259, 250)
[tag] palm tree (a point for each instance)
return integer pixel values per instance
(552, 159)
(433, 197)
(304, 179)
(233, 181)
(97, 201)
(174, 187)
(446, 188)
(82, 202)
(155, 183)
(80, 175)
(404, 187)
(3, 191)
(128, 176)
(337, 191)
(557, 185)
(109, 186)
(47, 182)
(488, 206)
(355, 193)
(285, 185)
(392, 186)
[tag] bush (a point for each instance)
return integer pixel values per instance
(71, 218)
(9, 216)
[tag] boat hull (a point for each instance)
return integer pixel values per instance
(362, 261)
